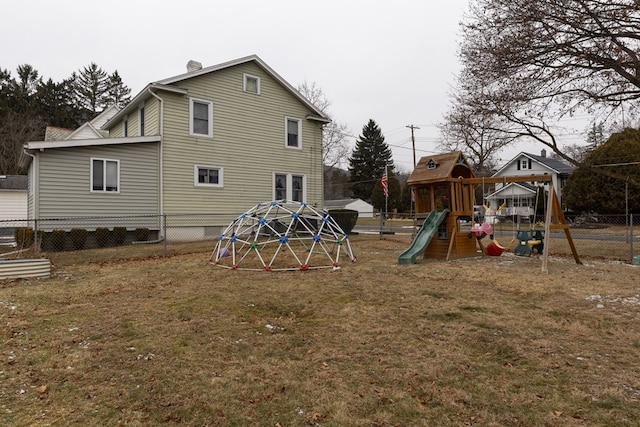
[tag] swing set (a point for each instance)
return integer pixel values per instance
(528, 241)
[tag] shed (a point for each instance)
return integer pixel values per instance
(13, 200)
(365, 210)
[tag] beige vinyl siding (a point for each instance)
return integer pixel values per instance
(118, 130)
(248, 142)
(65, 181)
(151, 121)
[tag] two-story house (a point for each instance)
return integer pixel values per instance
(521, 198)
(214, 140)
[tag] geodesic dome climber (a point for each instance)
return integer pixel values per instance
(280, 235)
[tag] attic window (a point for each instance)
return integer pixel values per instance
(252, 84)
(432, 164)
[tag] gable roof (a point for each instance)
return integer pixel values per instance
(168, 85)
(553, 165)
(516, 189)
(439, 167)
(54, 133)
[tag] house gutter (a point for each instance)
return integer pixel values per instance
(161, 160)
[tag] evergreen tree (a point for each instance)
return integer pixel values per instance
(368, 160)
(55, 105)
(118, 93)
(588, 191)
(394, 201)
(90, 86)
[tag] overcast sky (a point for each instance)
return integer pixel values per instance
(391, 61)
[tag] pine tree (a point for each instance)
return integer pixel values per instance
(368, 160)
(118, 93)
(89, 87)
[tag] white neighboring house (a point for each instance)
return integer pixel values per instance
(13, 201)
(519, 199)
(365, 210)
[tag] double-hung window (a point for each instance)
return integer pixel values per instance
(293, 132)
(105, 175)
(207, 176)
(201, 118)
(289, 187)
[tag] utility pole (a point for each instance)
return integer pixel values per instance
(413, 143)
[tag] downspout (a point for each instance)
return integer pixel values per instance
(35, 183)
(161, 166)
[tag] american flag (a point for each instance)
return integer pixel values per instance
(384, 183)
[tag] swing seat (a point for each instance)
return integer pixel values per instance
(523, 248)
(494, 249)
(538, 238)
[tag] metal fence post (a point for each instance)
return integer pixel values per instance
(36, 243)
(164, 231)
(631, 236)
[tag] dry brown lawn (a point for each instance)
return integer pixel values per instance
(175, 341)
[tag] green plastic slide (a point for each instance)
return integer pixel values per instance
(423, 238)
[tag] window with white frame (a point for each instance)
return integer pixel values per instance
(291, 187)
(200, 117)
(251, 84)
(125, 126)
(207, 176)
(141, 120)
(293, 130)
(105, 175)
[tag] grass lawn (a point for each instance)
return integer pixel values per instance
(142, 340)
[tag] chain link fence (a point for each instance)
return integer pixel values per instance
(158, 234)
(611, 237)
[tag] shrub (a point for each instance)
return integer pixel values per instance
(24, 237)
(346, 218)
(79, 237)
(119, 235)
(141, 234)
(102, 236)
(58, 240)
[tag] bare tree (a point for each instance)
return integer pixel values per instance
(15, 131)
(474, 134)
(335, 147)
(528, 64)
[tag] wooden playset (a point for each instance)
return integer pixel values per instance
(446, 182)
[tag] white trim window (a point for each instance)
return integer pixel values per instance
(200, 117)
(291, 187)
(207, 176)
(125, 126)
(141, 120)
(251, 83)
(293, 132)
(105, 176)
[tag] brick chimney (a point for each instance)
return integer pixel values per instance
(543, 153)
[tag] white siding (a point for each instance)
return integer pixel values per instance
(13, 205)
